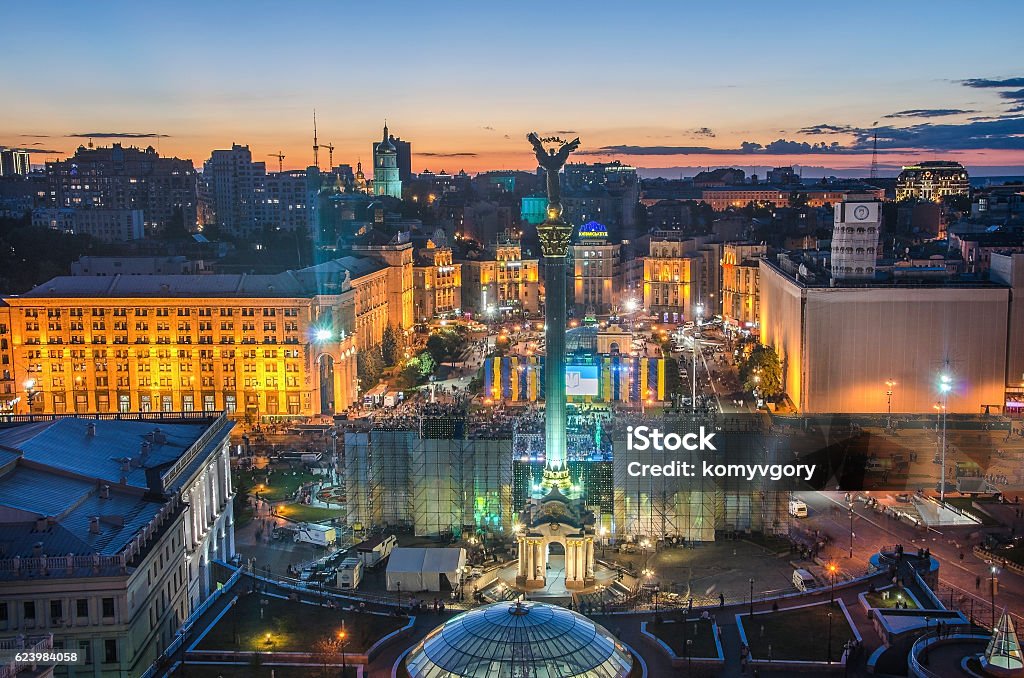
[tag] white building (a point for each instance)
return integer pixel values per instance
(109, 527)
(855, 238)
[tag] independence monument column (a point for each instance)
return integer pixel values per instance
(555, 235)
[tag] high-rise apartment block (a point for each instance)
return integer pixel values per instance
(121, 178)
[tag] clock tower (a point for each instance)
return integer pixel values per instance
(855, 238)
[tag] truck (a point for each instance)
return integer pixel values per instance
(392, 398)
(350, 573)
(797, 508)
(373, 551)
(312, 533)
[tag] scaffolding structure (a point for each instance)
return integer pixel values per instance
(427, 481)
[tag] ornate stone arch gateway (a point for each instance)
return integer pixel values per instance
(556, 519)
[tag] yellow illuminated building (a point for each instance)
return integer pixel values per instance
(503, 282)
(437, 283)
(254, 345)
(668, 279)
(596, 276)
(741, 301)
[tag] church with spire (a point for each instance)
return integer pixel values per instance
(386, 179)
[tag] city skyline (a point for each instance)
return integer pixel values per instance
(677, 95)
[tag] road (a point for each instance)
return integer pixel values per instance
(872, 531)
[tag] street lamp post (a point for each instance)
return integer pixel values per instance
(342, 639)
(751, 596)
(993, 585)
(851, 529)
(945, 386)
(696, 348)
(831, 568)
(888, 395)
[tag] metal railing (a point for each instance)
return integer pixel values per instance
(15, 666)
(187, 625)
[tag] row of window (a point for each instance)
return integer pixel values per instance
(81, 609)
(163, 312)
(165, 403)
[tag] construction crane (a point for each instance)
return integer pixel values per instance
(330, 155)
(280, 160)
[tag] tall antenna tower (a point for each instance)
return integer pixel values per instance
(874, 151)
(316, 146)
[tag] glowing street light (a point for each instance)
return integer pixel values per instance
(832, 568)
(323, 334)
(342, 639)
(945, 386)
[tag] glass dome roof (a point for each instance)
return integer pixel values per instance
(521, 640)
(581, 339)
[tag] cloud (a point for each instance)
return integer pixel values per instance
(703, 132)
(1003, 133)
(990, 82)
(777, 147)
(119, 135)
(488, 128)
(1017, 95)
(928, 113)
(34, 136)
(826, 128)
(650, 150)
(449, 155)
(33, 151)
(566, 131)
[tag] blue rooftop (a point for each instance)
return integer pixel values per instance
(66, 445)
(78, 486)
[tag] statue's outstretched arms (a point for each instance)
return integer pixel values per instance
(538, 148)
(564, 151)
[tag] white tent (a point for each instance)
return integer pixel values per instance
(420, 569)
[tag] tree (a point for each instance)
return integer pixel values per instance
(369, 366)
(390, 347)
(763, 371)
(175, 229)
(416, 370)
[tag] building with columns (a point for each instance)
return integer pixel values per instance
(502, 280)
(255, 346)
(109, 527)
(741, 302)
(437, 283)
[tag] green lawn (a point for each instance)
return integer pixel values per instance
(282, 482)
(875, 599)
(293, 627)
(798, 634)
(675, 635)
(308, 514)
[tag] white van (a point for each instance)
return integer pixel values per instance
(803, 580)
(797, 508)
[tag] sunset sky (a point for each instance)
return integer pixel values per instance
(671, 85)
